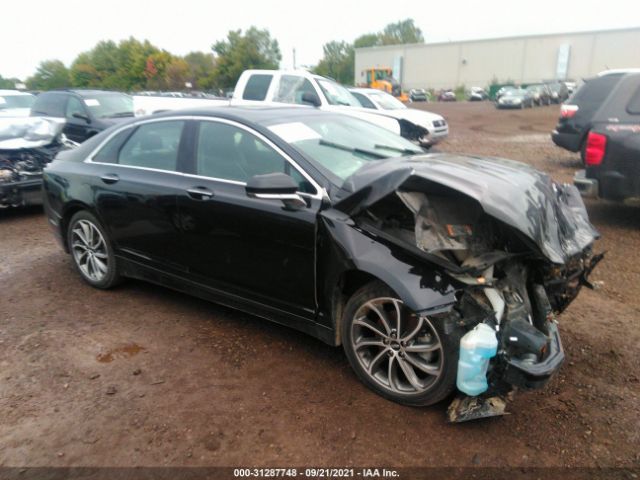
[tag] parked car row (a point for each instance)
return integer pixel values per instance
(543, 93)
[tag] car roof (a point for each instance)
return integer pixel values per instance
(8, 93)
(618, 71)
(264, 115)
(84, 92)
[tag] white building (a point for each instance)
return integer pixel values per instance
(526, 59)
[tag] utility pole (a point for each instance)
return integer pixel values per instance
(294, 58)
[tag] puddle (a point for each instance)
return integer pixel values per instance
(125, 351)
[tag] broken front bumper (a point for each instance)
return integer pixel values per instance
(21, 193)
(529, 375)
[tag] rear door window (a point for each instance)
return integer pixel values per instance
(153, 145)
(257, 87)
(109, 153)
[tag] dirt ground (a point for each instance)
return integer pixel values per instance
(141, 375)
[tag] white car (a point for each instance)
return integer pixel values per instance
(302, 88)
(14, 103)
(150, 104)
(435, 125)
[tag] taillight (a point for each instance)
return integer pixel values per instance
(568, 111)
(596, 146)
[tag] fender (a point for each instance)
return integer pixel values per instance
(344, 247)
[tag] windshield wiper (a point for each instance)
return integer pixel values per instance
(404, 151)
(347, 148)
(120, 114)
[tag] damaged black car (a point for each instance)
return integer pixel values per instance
(27, 144)
(436, 273)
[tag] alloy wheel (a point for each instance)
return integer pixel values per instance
(398, 349)
(89, 250)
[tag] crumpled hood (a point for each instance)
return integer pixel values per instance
(553, 216)
(28, 132)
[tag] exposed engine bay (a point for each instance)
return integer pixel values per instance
(506, 282)
(26, 146)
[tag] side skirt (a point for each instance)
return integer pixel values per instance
(137, 270)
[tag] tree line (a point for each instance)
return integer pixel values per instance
(133, 65)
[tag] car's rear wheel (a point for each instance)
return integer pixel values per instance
(91, 251)
(402, 356)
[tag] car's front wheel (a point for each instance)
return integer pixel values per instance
(402, 356)
(91, 251)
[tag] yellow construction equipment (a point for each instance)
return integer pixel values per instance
(381, 78)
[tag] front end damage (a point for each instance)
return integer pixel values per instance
(26, 146)
(516, 246)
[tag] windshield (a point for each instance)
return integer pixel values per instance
(341, 145)
(337, 94)
(386, 101)
(515, 93)
(104, 105)
(16, 101)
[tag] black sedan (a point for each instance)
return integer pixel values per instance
(342, 230)
(515, 98)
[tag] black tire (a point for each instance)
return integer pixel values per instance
(435, 388)
(103, 252)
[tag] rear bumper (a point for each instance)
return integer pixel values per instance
(568, 141)
(588, 187)
(530, 375)
(22, 193)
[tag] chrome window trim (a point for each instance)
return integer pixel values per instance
(320, 192)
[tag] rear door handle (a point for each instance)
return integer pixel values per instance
(200, 193)
(110, 178)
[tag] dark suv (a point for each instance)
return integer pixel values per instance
(613, 145)
(577, 113)
(86, 112)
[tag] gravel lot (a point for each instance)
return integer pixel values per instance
(141, 375)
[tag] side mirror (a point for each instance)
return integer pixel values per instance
(80, 116)
(276, 186)
(311, 98)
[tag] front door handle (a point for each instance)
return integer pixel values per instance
(200, 193)
(110, 178)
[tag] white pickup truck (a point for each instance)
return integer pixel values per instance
(299, 87)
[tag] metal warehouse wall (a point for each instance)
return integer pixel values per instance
(520, 59)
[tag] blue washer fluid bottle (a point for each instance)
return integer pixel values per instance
(476, 348)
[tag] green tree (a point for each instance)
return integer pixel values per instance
(8, 83)
(337, 62)
(253, 49)
(404, 31)
(155, 70)
(367, 40)
(176, 74)
(201, 69)
(113, 66)
(49, 74)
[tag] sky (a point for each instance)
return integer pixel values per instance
(46, 29)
